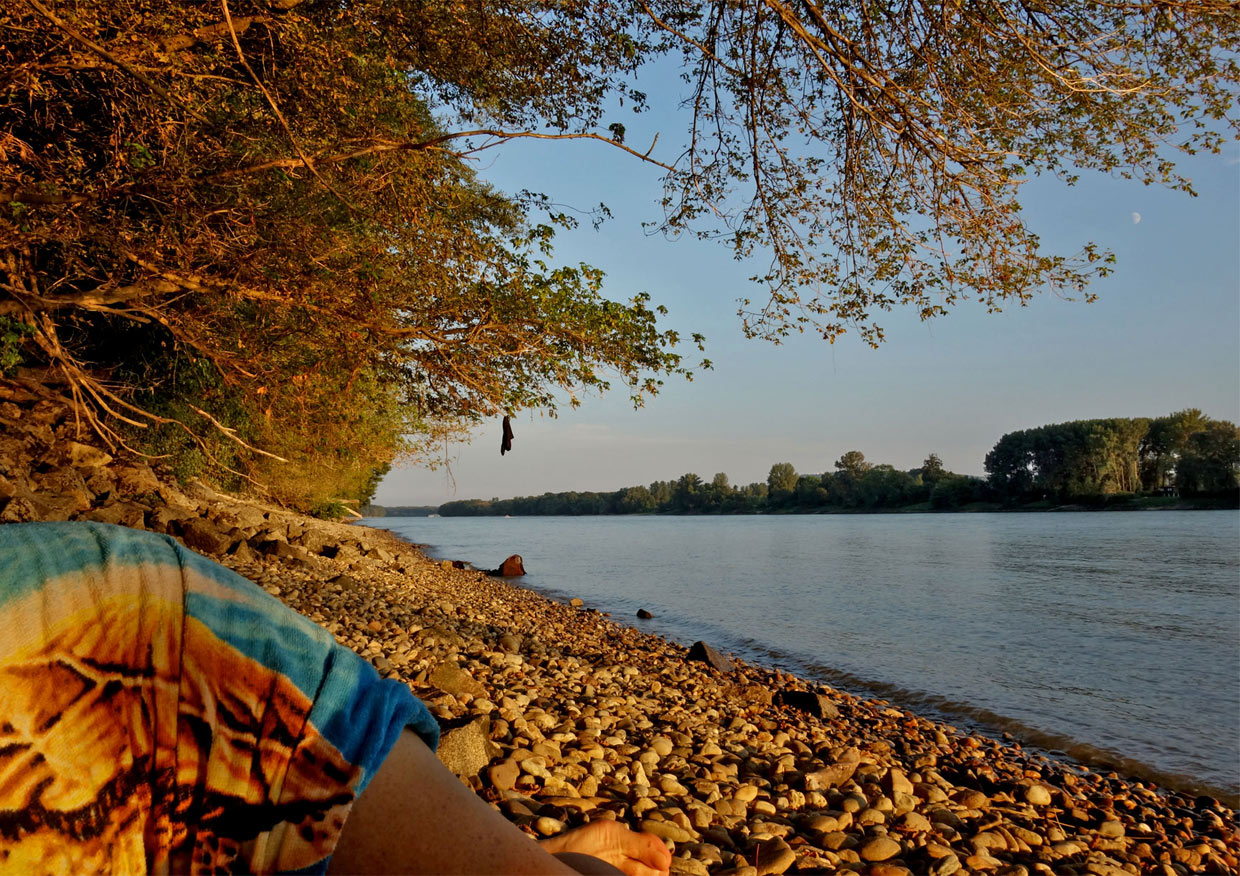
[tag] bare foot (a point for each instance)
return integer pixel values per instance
(637, 854)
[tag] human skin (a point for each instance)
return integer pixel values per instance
(417, 817)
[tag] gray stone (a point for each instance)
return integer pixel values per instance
(706, 654)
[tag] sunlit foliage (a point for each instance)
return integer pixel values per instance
(256, 228)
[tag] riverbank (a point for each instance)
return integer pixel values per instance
(561, 715)
(556, 714)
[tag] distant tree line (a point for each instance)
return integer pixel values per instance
(1084, 461)
(1185, 452)
(855, 485)
(369, 510)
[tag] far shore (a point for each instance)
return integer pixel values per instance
(1127, 504)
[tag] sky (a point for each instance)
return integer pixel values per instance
(1164, 335)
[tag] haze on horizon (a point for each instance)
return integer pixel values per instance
(1162, 337)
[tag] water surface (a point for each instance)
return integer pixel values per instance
(1113, 636)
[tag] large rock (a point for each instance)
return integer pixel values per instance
(65, 487)
(755, 694)
(83, 455)
(815, 704)
(835, 774)
(706, 654)
(204, 536)
(773, 856)
(279, 548)
(452, 679)
(129, 514)
(510, 568)
(21, 510)
(136, 479)
(465, 749)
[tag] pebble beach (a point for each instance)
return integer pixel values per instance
(557, 714)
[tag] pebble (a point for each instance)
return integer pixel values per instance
(880, 848)
(1038, 795)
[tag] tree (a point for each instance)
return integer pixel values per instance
(955, 491)
(1210, 461)
(243, 229)
(687, 493)
(922, 121)
(853, 464)
(1164, 441)
(810, 492)
(635, 500)
(781, 482)
(275, 196)
(932, 470)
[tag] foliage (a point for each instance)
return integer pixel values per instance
(280, 193)
(1091, 463)
(1085, 458)
(261, 194)
(880, 487)
(956, 491)
(781, 482)
(876, 151)
(1209, 463)
(12, 335)
(932, 469)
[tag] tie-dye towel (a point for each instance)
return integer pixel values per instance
(159, 713)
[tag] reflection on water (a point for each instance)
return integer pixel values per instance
(1102, 634)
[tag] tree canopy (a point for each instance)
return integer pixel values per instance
(1186, 450)
(255, 225)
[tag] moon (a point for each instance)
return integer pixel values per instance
(1136, 218)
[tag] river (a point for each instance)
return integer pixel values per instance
(1112, 637)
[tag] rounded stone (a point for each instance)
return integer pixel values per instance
(1111, 829)
(548, 826)
(880, 848)
(1038, 795)
(915, 822)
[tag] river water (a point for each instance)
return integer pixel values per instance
(1112, 637)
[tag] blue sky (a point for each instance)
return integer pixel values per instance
(1164, 335)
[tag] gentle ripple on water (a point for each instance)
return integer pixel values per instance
(1110, 635)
